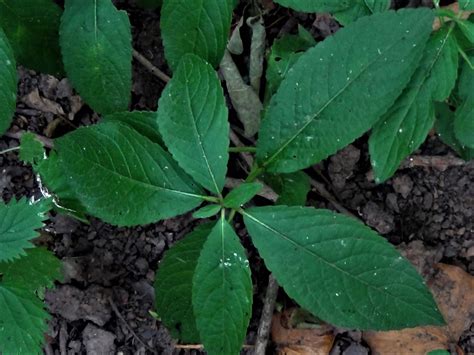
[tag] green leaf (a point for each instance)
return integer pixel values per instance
(203, 29)
(193, 104)
(7, 84)
(466, 4)
(32, 28)
(405, 126)
(122, 177)
(54, 181)
(464, 122)
(23, 321)
(292, 188)
(174, 282)
(445, 129)
(439, 352)
(340, 270)
(144, 122)
(19, 222)
(242, 194)
(222, 292)
(284, 54)
(31, 149)
(316, 5)
(96, 44)
(207, 211)
(361, 8)
(467, 29)
(39, 268)
(307, 119)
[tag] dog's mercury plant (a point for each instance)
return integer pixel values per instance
(385, 73)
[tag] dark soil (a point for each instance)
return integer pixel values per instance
(104, 302)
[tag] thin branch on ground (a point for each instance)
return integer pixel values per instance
(201, 346)
(121, 317)
(47, 142)
(266, 318)
(151, 68)
(321, 190)
(63, 338)
(438, 162)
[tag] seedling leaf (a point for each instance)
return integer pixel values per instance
(31, 149)
(357, 279)
(242, 194)
(405, 126)
(7, 83)
(203, 29)
(193, 104)
(97, 51)
(292, 189)
(122, 177)
(307, 119)
(173, 285)
(23, 321)
(32, 27)
(207, 211)
(222, 292)
(144, 122)
(19, 222)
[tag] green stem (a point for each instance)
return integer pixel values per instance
(231, 215)
(255, 172)
(9, 150)
(242, 149)
(210, 199)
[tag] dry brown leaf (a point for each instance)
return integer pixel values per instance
(291, 340)
(453, 290)
(34, 100)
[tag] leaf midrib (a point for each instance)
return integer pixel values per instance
(285, 237)
(318, 113)
(141, 183)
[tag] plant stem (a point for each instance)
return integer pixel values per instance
(242, 149)
(9, 150)
(231, 215)
(255, 172)
(210, 199)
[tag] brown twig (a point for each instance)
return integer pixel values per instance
(321, 190)
(438, 162)
(200, 346)
(266, 318)
(148, 65)
(121, 317)
(47, 142)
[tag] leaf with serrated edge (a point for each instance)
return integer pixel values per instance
(203, 29)
(144, 122)
(339, 269)
(97, 52)
(31, 149)
(33, 29)
(222, 292)
(284, 54)
(7, 83)
(193, 104)
(361, 8)
(23, 320)
(326, 101)
(19, 222)
(173, 285)
(242, 194)
(405, 126)
(122, 177)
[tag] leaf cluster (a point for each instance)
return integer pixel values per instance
(385, 73)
